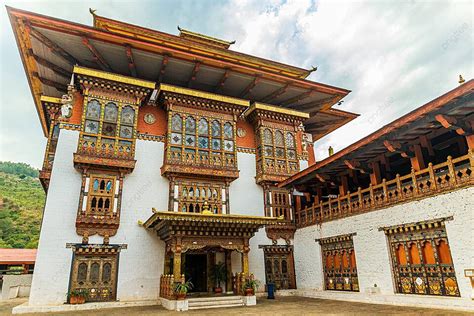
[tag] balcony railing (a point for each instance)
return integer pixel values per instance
(443, 177)
(112, 149)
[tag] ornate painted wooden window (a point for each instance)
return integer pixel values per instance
(279, 266)
(339, 263)
(108, 128)
(190, 196)
(99, 206)
(277, 152)
(277, 202)
(421, 259)
(94, 269)
(201, 140)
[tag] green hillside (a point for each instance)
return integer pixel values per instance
(21, 205)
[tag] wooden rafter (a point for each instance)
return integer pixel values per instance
(55, 68)
(58, 86)
(53, 47)
(97, 56)
(355, 165)
(131, 62)
(397, 147)
(451, 123)
(248, 89)
(319, 103)
(164, 63)
(197, 66)
(275, 93)
(221, 83)
(298, 98)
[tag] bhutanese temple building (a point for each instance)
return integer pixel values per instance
(169, 155)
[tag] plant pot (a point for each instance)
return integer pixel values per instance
(218, 290)
(74, 299)
(249, 292)
(181, 296)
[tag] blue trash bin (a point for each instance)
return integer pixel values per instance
(271, 291)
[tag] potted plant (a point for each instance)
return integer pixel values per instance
(78, 296)
(250, 286)
(218, 274)
(182, 288)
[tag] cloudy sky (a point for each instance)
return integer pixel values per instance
(393, 55)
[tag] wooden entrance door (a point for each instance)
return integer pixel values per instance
(279, 267)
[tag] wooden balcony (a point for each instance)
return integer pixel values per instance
(441, 178)
(222, 165)
(113, 155)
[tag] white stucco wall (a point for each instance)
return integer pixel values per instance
(372, 253)
(140, 265)
(246, 198)
(53, 261)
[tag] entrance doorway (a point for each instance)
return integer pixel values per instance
(195, 269)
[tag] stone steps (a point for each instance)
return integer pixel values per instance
(215, 302)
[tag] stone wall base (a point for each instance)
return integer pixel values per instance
(25, 308)
(410, 300)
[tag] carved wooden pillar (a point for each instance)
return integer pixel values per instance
(375, 176)
(418, 162)
(245, 258)
(177, 260)
(344, 187)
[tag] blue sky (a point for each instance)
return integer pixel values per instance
(393, 55)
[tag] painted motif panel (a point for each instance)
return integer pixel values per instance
(421, 259)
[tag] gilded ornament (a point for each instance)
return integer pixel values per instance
(149, 118)
(241, 132)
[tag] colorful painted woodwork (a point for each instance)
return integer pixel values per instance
(339, 263)
(279, 266)
(421, 258)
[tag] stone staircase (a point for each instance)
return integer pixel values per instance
(215, 302)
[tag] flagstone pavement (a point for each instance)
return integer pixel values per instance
(281, 306)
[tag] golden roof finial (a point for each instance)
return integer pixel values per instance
(461, 79)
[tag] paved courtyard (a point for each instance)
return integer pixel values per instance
(280, 306)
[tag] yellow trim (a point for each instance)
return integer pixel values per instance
(205, 37)
(205, 95)
(266, 107)
(167, 215)
(113, 77)
(48, 99)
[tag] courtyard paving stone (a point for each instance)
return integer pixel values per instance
(280, 306)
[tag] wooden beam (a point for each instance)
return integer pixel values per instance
(97, 56)
(197, 66)
(249, 87)
(354, 165)
(320, 178)
(275, 93)
(297, 98)
(320, 103)
(55, 68)
(221, 83)
(58, 86)
(164, 63)
(451, 123)
(53, 47)
(131, 62)
(396, 147)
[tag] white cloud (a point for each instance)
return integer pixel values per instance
(393, 55)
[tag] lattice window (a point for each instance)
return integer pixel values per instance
(421, 259)
(97, 274)
(192, 195)
(277, 151)
(278, 203)
(339, 263)
(108, 128)
(202, 141)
